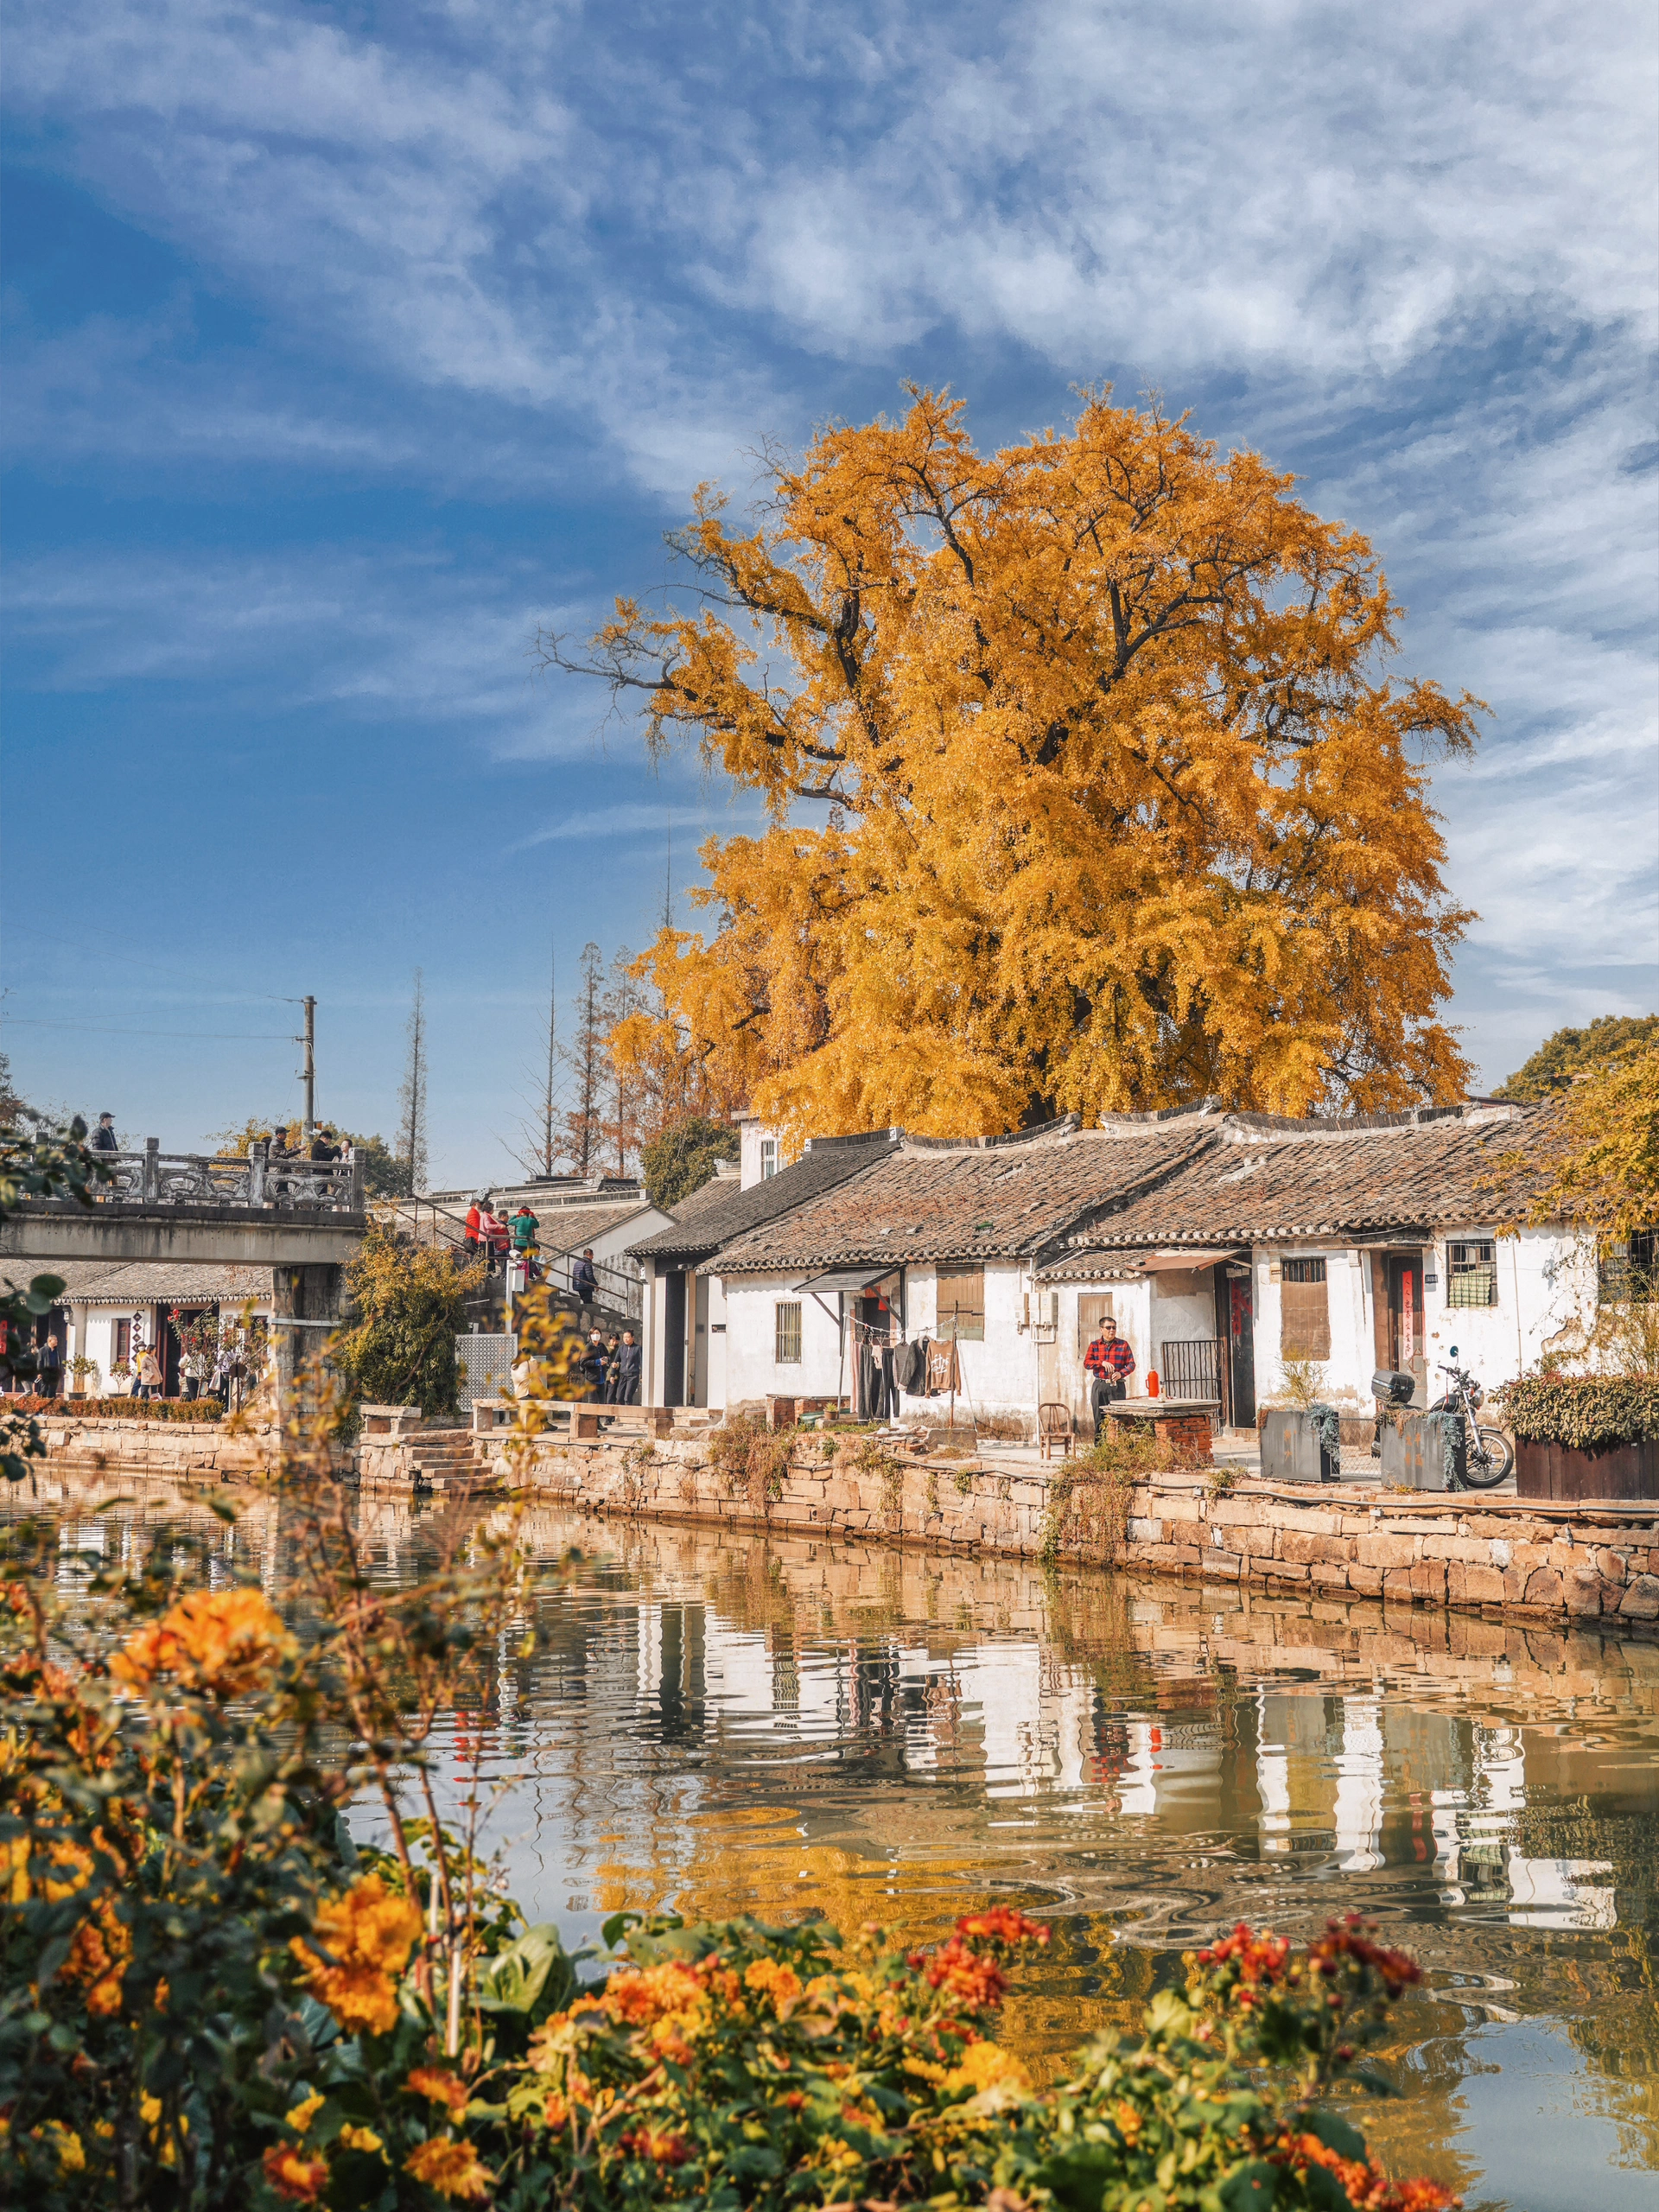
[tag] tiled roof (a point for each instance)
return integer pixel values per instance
(1263, 1180)
(930, 1200)
(148, 1282)
(731, 1212)
(567, 1226)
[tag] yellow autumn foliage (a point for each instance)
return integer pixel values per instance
(1090, 788)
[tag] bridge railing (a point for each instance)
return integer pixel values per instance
(152, 1177)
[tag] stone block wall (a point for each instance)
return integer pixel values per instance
(1509, 1557)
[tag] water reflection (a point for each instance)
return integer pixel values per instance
(723, 1725)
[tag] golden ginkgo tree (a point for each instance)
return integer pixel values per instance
(1091, 787)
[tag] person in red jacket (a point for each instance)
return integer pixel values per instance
(473, 1237)
(1110, 1361)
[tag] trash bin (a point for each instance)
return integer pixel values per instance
(1424, 1451)
(1292, 1451)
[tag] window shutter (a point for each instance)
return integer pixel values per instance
(1305, 1311)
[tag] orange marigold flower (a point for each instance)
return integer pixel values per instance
(298, 2175)
(439, 2087)
(452, 2169)
(226, 1642)
(781, 1983)
(369, 1932)
(99, 1954)
(1351, 1938)
(1257, 1958)
(656, 2146)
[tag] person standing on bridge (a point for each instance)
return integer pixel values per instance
(583, 1279)
(104, 1137)
(473, 1240)
(524, 1226)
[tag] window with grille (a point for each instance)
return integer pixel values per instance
(961, 1306)
(786, 1319)
(1629, 1269)
(121, 1342)
(768, 1163)
(1472, 1273)
(1304, 1311)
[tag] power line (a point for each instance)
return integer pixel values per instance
(191, 1036)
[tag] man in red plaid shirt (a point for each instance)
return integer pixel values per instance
(1111, 1363)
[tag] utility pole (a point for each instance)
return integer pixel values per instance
(310, 1006)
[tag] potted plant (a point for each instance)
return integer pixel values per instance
(84, 1376)
(1584, 1436)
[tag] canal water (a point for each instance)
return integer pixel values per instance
(716, 1724)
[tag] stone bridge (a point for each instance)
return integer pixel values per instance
(248, 1212)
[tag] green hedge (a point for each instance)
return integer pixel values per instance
(185, 1409)
(1585, 1412)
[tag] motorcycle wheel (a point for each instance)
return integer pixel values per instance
(1489, 1462)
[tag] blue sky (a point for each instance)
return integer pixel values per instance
(345, 344)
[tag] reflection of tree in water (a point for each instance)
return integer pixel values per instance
(1611, 1993)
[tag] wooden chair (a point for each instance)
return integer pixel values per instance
(1054, 1428)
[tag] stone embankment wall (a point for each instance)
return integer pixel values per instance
(190, 1450)
(1504, 1558)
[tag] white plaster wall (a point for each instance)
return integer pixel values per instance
(750, 1133)
(751, 1341)
(1352, 1359)
(999, 1376)
(1182, 1308)
(1546, 1279)
(717, 1325)
(1132, 1311)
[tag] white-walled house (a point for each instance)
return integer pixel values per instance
(110, 1309)
(1222, 1246)
(941, 1239)
(1352, 1244)
(686, 1344)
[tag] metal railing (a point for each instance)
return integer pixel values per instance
(1196, 1367)
(153, 1178)
(620, 1291)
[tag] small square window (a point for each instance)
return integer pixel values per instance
(962, 1304)
(1472, 1273)
(786, 1320)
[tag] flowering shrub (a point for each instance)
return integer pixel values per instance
(210, 1998)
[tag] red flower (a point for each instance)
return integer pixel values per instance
(1001, 1924)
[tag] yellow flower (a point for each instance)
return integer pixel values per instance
(440, 2087)
(452, 2169)
(370, 1932)
(781, 1983)
(72, 2158)
(987, 2066)
(926, 2068)
(227, 1643)
(358, 2138)
(303, 2114)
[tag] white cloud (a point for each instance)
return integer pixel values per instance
(1410, 249)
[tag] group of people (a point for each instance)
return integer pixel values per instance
(490, 1235)
(610, 1367)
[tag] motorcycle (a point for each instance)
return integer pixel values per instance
(1489, 1457)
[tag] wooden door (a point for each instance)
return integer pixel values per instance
(1238, 1329)
(1408, 1351)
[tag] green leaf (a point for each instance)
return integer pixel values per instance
(1335, 2133)
(1252, 2188)
(534, 1975)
